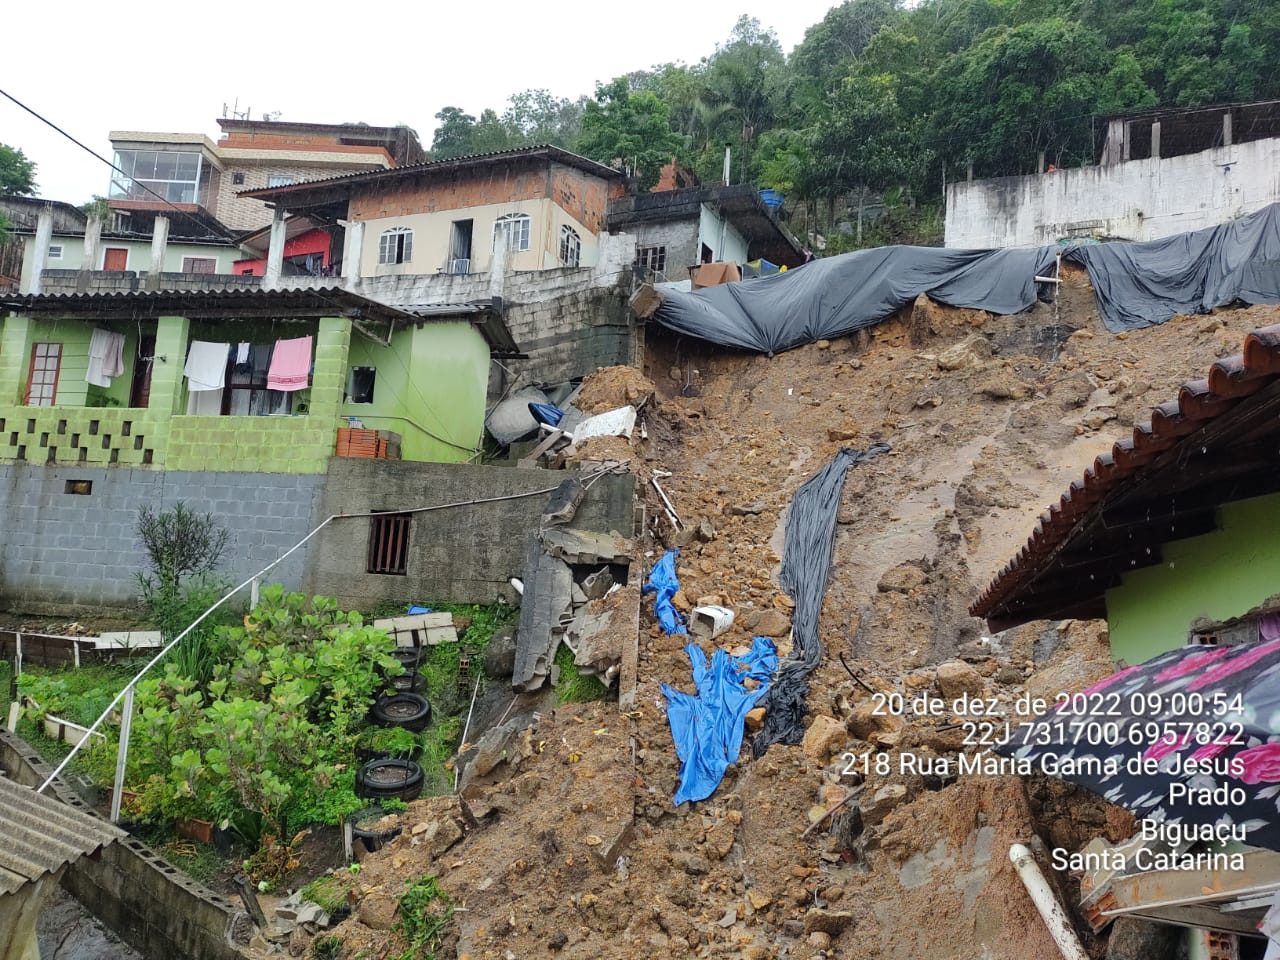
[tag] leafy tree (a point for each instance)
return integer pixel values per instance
(630, 128)
(875, 145)
(455, 137)
(17, 173)
(840, 37)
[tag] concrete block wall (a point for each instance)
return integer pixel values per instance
(465, 554)
(1135, 200)
(65, 551)
(680, 237)
(139, 895)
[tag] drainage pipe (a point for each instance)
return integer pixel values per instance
(1051, 911)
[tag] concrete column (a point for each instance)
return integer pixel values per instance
(498, 262)
(1125, 142)
(89, 261)
(1155, 140)
(275, 251)
(15, 355)
(40, 251)
(166, 369)
(159, 241)
(968, 173)
(352, 245)
(329, 377)
(1226, 129)
(1040, 162)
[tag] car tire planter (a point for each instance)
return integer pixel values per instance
(372, 839)
(410, 682)
(366, 754)
(387, 779)
(409, 710)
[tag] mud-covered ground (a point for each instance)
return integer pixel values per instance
(579, 852)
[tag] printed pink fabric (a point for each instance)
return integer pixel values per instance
(290, 365)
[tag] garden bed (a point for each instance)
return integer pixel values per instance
(256, 732)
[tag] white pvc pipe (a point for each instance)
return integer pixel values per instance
(1051, 912)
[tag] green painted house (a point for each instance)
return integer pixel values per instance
(422, 375)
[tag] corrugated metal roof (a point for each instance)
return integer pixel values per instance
(208, 303)
(431, 166)
(1229, 381)
(40, 834)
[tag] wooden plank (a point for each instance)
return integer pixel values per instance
(421, 629)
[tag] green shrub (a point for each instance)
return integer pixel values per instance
(329, 891)
(425, 913)
(273, 731)
(327, 947)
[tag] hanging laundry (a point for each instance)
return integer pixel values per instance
(206, 367)
(290, 365)
(106, 357)
(242, 358)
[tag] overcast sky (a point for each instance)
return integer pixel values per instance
(170, 67)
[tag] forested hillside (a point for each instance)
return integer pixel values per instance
(886, 99)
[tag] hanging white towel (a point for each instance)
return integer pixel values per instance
(106, 357)
(206, 367)
(242, 353)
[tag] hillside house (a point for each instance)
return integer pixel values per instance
(546, 206)
(153, 410)
(684, 227)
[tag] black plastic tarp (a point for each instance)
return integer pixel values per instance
(1137, 285)
(1141, 284)
(835, 296)
(806, 566)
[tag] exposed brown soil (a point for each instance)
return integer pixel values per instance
(989, 418)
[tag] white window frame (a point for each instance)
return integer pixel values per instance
(653, 258)
(279, 180)
(521, 225)
(570, 246)
(55, 251)
(395, 246)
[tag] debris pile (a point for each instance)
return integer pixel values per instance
(837, 846)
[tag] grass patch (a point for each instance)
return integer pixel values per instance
(575, 687)
(199, 861)
(327, 947)
(79, 695)
(425, 913)
(329, 891)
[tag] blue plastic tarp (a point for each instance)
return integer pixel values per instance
(664, 584)
(707, 727)
(546, 413)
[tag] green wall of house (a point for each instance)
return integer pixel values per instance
(429, 388)
(1217, 576)
(161, 435)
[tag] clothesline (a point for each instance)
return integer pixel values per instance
(289, 369)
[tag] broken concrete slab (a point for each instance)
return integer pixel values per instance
(585, 546)
(548, 588)
(611, 423)
(420, 629)
(564, 502)
(128, 640)
(596, 585)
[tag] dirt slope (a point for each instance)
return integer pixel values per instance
(579, 853)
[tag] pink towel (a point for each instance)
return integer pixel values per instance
(290, 365)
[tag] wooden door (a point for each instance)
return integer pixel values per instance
(140, 391)
(115, 258)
